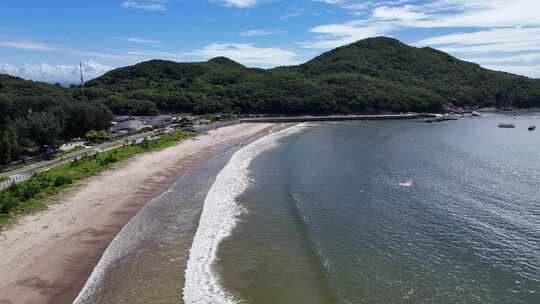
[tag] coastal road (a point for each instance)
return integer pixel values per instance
(25, 173)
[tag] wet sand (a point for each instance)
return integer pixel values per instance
(147, 260)
(47, 257)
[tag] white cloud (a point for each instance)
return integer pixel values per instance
(240, 3)
(249, 55)
(481, 13)
(146, 5)
(142, 40)
(484, 14)
(255, 33)
(404, 13)
(37, 46)
(334, 35)
(360, 6)
(26, 45)
(290, 15)
(489, 41)
(146, 54)
(515, 50)
(525, 59)
(529, 70)
(497, 35)
(331, 1)
(523, 64)
(53, 73)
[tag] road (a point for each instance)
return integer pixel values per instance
(26, 172)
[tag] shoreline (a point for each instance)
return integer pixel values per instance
(48, 257)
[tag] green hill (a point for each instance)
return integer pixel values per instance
(446, 78)
(17, 87)
(371, 75)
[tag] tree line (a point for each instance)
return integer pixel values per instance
(34, 116)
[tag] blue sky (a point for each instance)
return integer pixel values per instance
(46, 39)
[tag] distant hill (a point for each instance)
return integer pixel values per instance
(17, 87)
(371, 75)
(402, 68)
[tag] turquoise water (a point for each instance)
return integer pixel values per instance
(390, 212)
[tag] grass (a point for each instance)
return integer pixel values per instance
(3, 178)
(32, 195)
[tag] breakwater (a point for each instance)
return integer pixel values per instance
(336, 118)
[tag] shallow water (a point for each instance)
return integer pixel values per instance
(146, 262)
(390, 212)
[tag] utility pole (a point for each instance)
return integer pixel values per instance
(82, 80)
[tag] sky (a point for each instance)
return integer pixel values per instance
(46, 39)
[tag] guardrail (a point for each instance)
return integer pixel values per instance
(15, 179)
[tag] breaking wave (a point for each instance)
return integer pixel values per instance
(218, 219)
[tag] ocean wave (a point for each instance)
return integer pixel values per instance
(122, 244)
(218, 219)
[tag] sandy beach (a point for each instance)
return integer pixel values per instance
(47, 257)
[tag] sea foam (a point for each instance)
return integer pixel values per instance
(122, 244)
(218, 219)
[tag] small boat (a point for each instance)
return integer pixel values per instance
(406, 184)
(532, 128)
(506, 125)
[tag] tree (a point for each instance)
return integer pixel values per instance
(43, 128)
(9, 148)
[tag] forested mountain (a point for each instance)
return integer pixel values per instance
(371, 75)
(405, 69)
(34, 115)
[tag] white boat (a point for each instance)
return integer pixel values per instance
(406, 184)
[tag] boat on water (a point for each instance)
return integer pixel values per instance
(532, 128)
(406, 184)
(506, 125)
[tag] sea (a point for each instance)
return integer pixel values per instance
(345, 212)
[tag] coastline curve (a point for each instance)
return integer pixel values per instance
(218, 220)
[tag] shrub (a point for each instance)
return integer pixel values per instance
(62, 180)
(109, 159)
(7, 203)
(29, 191)
(76, 162)
(43, 180)
(145, 144)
